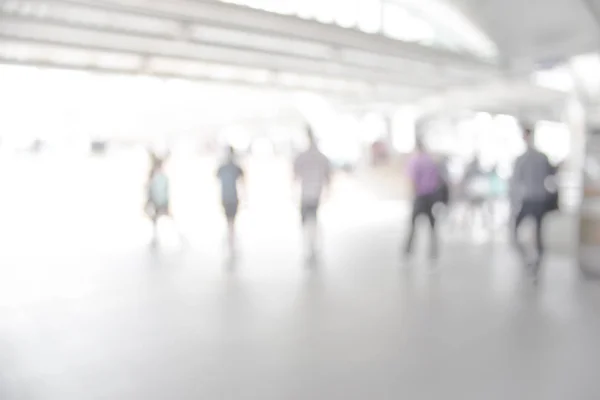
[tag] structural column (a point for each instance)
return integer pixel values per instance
(583, 166)
(589, 229)
(575, 118)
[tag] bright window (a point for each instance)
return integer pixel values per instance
(404, 129)
(399, 23)
(553, 139)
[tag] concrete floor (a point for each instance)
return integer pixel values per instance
(87, 311)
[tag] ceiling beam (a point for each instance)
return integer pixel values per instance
(50, 32)
(229, 16)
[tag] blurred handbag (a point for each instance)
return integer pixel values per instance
(553, 202)
(552, 194)
(443, 194)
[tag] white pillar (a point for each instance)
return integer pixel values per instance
(584, 164)
(575, 118)
(589, 229)
(575, 115)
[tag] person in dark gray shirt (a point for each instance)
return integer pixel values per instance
(529, 196)
(229, 174)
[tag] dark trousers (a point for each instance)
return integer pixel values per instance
(537, 210)
(423, 205)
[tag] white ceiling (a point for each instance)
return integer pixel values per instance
(206, 40)
(193, 39)
(530, 32)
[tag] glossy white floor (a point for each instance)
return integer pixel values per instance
(88, 312)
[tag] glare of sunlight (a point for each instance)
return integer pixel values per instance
(100, 106)
(369, 15)
(339, 137)
(237, 137)
(262, 147)
(373, 127)
(346, 13)
(559, 78)
(399, 23)
(404, 129)
(484, 119)
(586, 69)
(554, 139)
(315, 109)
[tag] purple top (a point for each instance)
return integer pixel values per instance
(424, 174)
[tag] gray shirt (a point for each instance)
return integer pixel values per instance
(313, 170)
(530, 175)
(228, 174)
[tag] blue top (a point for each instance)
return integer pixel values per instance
(159, 189)
(228, 174)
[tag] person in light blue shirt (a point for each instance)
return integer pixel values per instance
(158, 202)
(159, 191)
(229, 174)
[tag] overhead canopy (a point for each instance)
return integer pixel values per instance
(361, 51)
(211, 40)
(430, 23)
(539, 33)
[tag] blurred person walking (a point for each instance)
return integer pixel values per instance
(229, 174)
(312, 170)
(158, 197)
(425, 177)
(477, 188)
(154, 162)
(530, 198)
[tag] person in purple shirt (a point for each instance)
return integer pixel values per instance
(424, 174)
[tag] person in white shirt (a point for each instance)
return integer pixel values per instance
(312, 170)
